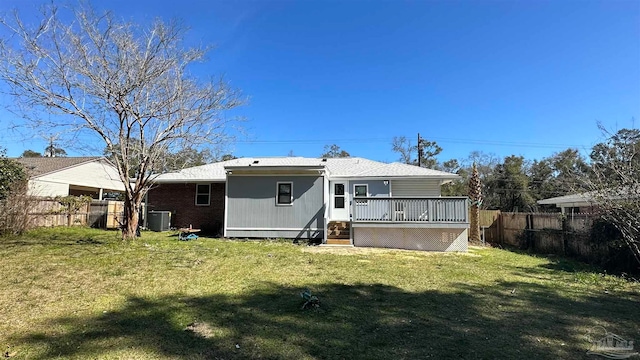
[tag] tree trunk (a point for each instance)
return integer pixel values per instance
(131, 219)
(474, 219)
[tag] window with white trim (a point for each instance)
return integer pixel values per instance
(284, 194)
(361, 191)
(203, 194)
(338, 195)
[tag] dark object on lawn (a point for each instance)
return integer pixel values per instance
(311, 301)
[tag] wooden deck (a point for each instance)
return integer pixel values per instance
(338, 241)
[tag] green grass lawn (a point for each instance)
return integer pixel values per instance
(83, 294)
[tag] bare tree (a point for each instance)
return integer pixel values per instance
(126, 84)
(404, 148)
(615, 184)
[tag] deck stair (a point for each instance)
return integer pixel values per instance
(339, 233)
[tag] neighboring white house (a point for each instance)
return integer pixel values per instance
(62, 176)
(571, 204)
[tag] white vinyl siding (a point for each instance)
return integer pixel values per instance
(48, 188)
(93, 174)
(251, 211)
(402, 188)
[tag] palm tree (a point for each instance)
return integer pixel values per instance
(475, 195)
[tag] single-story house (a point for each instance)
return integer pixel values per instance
(62, 176)
(336, 201)
(571, 204)
(587, 202)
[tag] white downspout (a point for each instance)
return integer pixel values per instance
(327, 201)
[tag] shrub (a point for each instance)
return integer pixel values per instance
(15, 217)
(15, 204)
(13, 176)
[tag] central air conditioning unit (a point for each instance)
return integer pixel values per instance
(159, 220)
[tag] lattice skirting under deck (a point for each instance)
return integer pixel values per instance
(411, 238)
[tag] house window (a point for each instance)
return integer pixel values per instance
(572, 210)
(338, 190)
(285, 193)
(203, 194)
(360, 191)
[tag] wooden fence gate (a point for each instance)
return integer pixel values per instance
(102, 214)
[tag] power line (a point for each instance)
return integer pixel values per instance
(15, 138)
(7, 138)
(440, 139)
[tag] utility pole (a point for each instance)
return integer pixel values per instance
(50, 146)
(419, 152)
(50, 151)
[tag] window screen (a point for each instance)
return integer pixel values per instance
(284, 196)
(203, 194)
(360, 191)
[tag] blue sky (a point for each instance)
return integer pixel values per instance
(506, 77)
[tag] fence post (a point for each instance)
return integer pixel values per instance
(529, 235)
(87, 213)
(565, 228)
(499, 229)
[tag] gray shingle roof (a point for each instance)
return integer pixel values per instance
(336, 167)
(39, 166)
(591, 197)
(399, 169)
(566, 199)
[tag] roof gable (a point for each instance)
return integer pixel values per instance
(39, 166)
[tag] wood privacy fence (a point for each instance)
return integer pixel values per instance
(545, 233)
(490, 224)
(103, 214)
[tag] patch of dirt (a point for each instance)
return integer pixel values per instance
(410, 254)
(202, 329)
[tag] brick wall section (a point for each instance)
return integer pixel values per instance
(180, 199)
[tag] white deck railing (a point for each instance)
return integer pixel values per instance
(406, 209)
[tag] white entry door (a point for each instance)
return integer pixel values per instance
(339, 201)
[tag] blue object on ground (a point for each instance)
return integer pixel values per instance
(186, 236)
